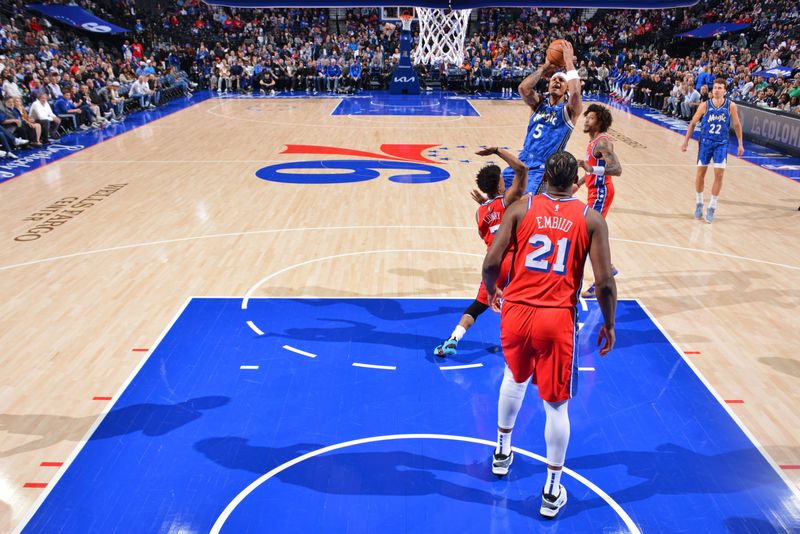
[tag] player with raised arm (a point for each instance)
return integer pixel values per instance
(552, 118)
(488, 217)
(600, 165)
(715, 116)
(553, 233)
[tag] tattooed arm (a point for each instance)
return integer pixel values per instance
(605, 149)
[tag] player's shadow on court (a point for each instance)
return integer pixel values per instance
(149, 419)
(675, 470)
(787, 366)
(386, 309)
(395, 473)
(347, 331)
(711, 289)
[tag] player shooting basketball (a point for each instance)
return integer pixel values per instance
(553, 114)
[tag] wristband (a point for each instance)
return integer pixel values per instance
(572, 75)
(599, 170)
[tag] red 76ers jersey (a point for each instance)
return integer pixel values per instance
(489, 216)
(552, 245)
(592, 180)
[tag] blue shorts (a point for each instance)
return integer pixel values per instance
(708, 151)
(535, 174)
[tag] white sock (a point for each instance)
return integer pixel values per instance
(504, 442)
(700, 198)
(458, 333)
(713, 203)
(508, 406)
(553, 481)
(556, 435)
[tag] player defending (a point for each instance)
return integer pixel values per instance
(554, 233)
(715, 116)
(600, 165)
(552, 119)
(488, 216)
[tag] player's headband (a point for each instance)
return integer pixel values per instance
(561, 75)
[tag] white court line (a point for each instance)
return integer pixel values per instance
(586, 369)
(258, 284)
(454, 367)
(721, 254)
(220, 522)
(248, 367)
(371, 366)
(367, 227)
(254, 328)
(724, 404)
(232, 234)
(106, 408)
(298, 351)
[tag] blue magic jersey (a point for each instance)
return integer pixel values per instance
(549, 129)
(716, 122)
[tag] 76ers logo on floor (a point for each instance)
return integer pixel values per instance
(406, 164)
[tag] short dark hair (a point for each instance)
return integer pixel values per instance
(604, 117)
(561, 170)
(721, 81)
(488, 180)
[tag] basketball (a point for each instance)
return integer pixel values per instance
(554, 53)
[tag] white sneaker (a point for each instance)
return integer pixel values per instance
(501, 463)
(551, 505)
(20, 141)
(11, 155)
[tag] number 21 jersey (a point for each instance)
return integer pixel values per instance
(552, 245)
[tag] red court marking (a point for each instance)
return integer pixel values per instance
(139, 350)
(734, 401)
(789, 466)
(51, 464)
(35, 485)
(691, 352)
(101, 398)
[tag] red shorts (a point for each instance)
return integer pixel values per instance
(502, 280)
(601, 197)
(541, 344)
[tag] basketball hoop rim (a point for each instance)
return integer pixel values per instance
(406, 19)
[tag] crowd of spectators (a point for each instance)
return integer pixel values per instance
(55, 80)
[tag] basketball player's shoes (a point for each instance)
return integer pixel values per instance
(448, 348)
(698, 211)
(710, 214)
(590, 293)
(552, 504)
(501, 463)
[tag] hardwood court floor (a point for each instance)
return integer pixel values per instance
(192, 219)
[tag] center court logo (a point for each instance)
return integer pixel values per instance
(406, 164)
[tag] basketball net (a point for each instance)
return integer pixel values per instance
(406, 20)
(441, 35)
